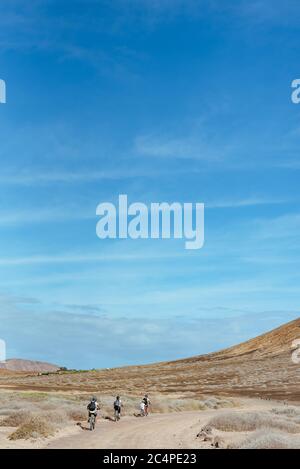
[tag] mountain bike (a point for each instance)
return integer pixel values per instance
(92, 421)
(117, 414)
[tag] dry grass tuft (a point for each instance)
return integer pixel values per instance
(250, 421)
(15, 419)
(35, 427)
(76, 414)
(164, 405)
(269, 439)
(287, 411)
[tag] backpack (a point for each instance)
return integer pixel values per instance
(117, 405)
(92, 406)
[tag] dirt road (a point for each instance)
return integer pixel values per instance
(156, 431)
(160, 431)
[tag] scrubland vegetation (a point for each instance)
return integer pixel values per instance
(33, 414)
(278, 428)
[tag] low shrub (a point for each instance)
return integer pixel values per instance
(269, 439)
(250, 421)
(35, 427)
(15, 419)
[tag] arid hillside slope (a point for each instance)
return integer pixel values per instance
(261, 367)
(271, 343)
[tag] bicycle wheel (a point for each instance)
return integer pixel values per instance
(92, 422)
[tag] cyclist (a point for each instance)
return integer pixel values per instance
(117, 408)
(93, 408)
(142, 408)
(147, 403)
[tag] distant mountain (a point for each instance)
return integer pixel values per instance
(16, 364)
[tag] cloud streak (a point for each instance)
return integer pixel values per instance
(85, 258)
(182, 148)
(247, 202)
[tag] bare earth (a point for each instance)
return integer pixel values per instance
(160, 431)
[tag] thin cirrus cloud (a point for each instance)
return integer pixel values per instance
(39, 216)
(214, 153)
(247, 202)
(181, 148)
(82, 258)
(284, 226)
(48, 177)
(68, 214)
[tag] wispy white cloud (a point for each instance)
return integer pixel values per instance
(183, 148)
(35, 216)
(247, 202)
(217, 152)
(284, 226)
(71, 177)
(266, 261)
(85, 258)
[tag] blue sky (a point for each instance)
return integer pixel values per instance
(186, 101)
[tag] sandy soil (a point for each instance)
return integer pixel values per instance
(171, 430)
(177, 430)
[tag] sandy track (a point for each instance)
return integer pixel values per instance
(156, 431)
(160, 431)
